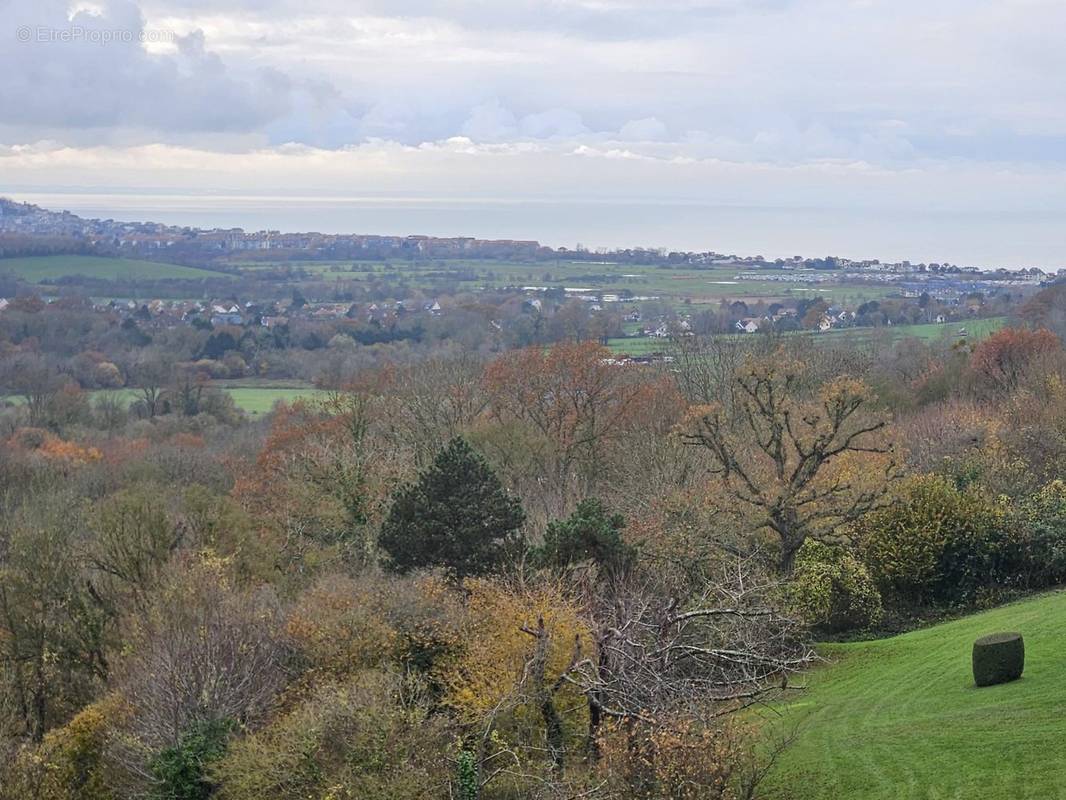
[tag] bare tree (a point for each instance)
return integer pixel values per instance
(37, 381)
(204, 653)
(660, 658)
(151, 373)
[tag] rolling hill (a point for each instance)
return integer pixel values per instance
(900, 718)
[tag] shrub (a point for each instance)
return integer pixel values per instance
(591, 533)
(680, 761)
(70, 763)
(938, 543)
(180, 772)
(833, 589)
(371, 738)
(998, 658)
(1041, 518)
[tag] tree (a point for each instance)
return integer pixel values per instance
(151, 373)
(38, 382)
(509, 679)
(322, 479)
(660, 659)
(567, 409)
(591, 533)
(801, 467)
(456, 515)
(203, 657)
(51, 631)
(1004, 359)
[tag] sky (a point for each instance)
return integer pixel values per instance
(921, 129)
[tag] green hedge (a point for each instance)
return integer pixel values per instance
(998, 658)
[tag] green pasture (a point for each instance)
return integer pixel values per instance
(36, 269)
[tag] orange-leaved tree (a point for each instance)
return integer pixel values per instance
(1005, 359)
(565, 409)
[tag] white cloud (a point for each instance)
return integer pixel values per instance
(648, 129)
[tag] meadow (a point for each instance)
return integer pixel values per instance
(975, 329)
(660, 281)
(254, 400)
(49, 268)
(900, 718)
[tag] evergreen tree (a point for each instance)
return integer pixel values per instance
(456, 515)
(591, 533)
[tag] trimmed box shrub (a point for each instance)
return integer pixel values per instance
(998, 658)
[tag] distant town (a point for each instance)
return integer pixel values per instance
(148, 239)
(314, 293)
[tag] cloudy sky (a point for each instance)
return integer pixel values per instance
(923, 128)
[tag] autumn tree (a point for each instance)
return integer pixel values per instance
(508, 683)
(561, 412)
(313, 482)
(1004, 359)
(455, 515)
(430, 402)
(800, 465)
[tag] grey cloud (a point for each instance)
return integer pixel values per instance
(783, 81)
(90, 72)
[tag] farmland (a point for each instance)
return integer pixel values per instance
(975, 329)
(37, 269)
(706, 284)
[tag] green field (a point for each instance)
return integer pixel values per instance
(900, 718)
(253, 400)
(256, 400)
(660, 281)
(47, 268)
(975, 329)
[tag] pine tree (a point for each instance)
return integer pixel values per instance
(591, 533)
(455, 515)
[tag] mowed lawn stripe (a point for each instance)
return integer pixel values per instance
(900, 718)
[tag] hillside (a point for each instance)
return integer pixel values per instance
(900, 718)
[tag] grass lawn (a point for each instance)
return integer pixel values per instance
(42, 268)
(900, 718)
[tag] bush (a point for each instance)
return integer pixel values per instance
(833, 590)
(1041, 518)
(372, 738)
(70, 763)
(591, 533)
(938, 543)
(180, 772)
(998, 658)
